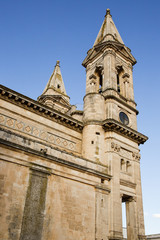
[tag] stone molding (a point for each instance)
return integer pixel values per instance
(103, 188)
(93, 122)
(34, 106)
(127, 183)
(92, 93)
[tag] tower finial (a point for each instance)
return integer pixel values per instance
(57, 63)
(108, 12)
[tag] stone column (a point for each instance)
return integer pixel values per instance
(101, 213)
(110, 78)
(115, 208)
(131, 90)
(131, 219)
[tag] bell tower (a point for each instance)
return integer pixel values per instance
(110, 135)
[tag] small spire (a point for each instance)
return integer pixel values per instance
(55, 85)
(108, 12)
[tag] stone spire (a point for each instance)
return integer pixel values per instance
(108, 30)
(55, 85)
(54, 94)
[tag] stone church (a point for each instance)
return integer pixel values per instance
(65, 173)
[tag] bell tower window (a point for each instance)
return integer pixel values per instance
(119, 75)
(99, 70)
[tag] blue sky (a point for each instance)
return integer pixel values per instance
(35, 33)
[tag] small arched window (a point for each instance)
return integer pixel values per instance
(100, 77)
(119, 75)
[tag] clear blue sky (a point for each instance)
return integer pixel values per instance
(36, 33)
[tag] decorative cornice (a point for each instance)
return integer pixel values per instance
(34, 106)
(115, 126)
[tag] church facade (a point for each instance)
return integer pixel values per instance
(65, 173)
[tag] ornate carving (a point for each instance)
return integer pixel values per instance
(136, 156)
(115, 147)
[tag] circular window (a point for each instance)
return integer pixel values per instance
(124, 118)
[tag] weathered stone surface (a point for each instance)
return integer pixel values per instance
(32, 224)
